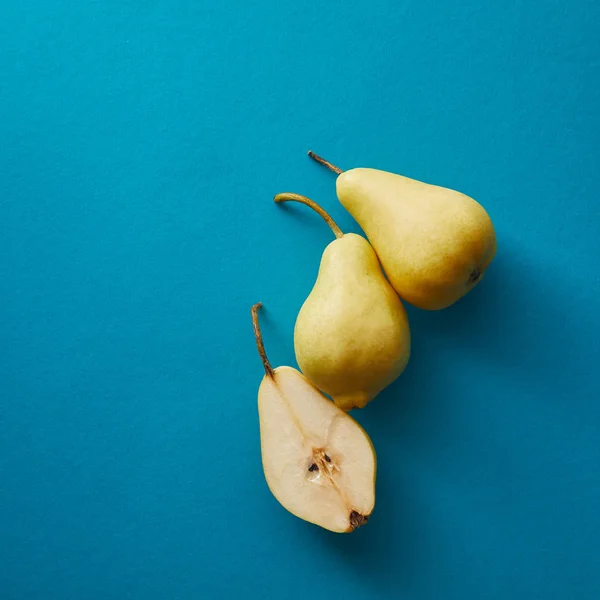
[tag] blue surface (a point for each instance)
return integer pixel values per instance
(141, 144)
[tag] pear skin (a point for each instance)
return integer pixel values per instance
(352, 337)
(434, 243)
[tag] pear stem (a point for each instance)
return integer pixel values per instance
(259, 341)
(325, 163)
(290, 197)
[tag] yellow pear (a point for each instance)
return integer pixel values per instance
(434, 243)
(318, 461)
(352, 337)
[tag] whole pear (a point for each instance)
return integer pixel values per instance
(434, 243)
(351, 337)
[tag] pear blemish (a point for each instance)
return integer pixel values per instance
(475, 276)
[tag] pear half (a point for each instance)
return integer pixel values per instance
(318, 461)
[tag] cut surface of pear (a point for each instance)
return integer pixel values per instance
(318, 462)
(434, 243)
(352, 337)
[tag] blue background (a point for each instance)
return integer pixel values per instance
(140, 146)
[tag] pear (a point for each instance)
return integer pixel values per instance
(434, 243)
(352, 337)
(318, 461)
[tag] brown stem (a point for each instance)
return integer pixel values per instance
(289, 197)
(325, 163)
(259, 341)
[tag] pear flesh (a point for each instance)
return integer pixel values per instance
(352, 337)
(434, 243)
(318, 462)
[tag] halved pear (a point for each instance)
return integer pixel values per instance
(318, 461)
